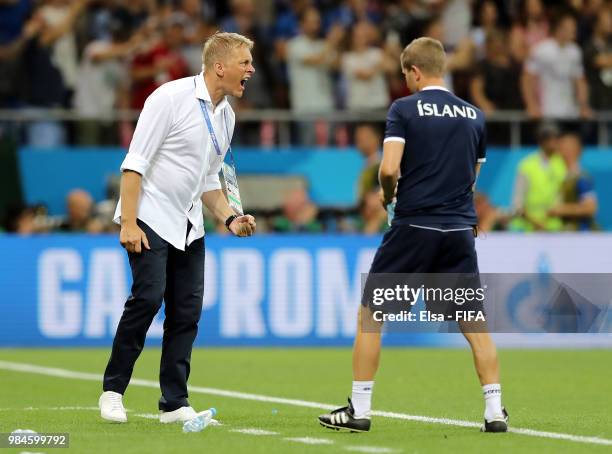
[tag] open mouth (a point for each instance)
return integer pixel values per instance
(243, 82)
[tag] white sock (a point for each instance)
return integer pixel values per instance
(362, 398)
(492, 397)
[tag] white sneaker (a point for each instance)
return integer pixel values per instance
(179, 415)
(111, 407)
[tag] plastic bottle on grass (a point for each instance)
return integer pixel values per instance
(200, 422)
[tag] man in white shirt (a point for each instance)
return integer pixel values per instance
(310, 61)
(172, 166)
(553, 82)
(364, 68)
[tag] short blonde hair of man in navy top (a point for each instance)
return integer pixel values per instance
(425, 54)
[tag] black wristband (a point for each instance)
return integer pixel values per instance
(229, 220)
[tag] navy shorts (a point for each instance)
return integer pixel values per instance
(407, 249)
(436, 256)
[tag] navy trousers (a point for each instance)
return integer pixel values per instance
(176, 277)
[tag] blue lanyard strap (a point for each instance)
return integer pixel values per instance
(213, 135)
(229, 140)
(211, 130)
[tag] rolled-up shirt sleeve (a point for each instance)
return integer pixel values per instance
(151, 130)
(212, 178)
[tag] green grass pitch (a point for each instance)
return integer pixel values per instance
(562, 391)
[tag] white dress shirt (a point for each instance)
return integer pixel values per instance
(173, 151)
(557, 68)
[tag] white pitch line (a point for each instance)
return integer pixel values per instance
(213, 422)
(60, 408)
(371, 449)
(310, 440)
(146, 415)
(254, 431)
(64, 373)
(429, 419)
(561, 436)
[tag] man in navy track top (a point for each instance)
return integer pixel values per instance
(433, 148)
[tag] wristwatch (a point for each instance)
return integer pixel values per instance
(229, 220)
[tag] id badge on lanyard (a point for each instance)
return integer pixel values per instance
(228, 170)
(231, 186)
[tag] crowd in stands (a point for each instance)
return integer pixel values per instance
(551, 194)
(551, 191)
(548, 58)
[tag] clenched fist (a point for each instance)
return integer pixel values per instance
(243, 225)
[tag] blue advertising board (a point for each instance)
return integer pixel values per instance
(70, 290)
(269, 290)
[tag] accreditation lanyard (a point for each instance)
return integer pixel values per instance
(211, 131)
(229, 171)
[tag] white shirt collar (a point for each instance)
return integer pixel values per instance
(202, 93)
(435, 87)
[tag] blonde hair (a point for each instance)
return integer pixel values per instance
(427, 54)
(221, 44)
